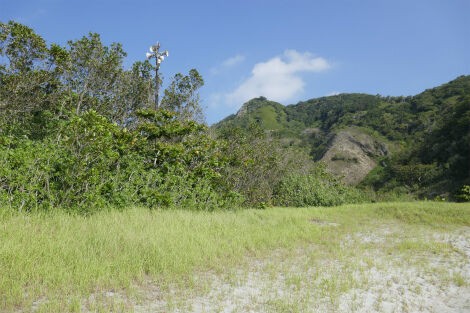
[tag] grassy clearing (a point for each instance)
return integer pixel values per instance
(374, 265)
(51, 262)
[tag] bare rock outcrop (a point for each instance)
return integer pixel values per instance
(351, 155)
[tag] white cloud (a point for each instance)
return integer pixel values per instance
(228, 63)
(277, 79)
(233, 60)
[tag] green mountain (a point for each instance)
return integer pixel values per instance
(418, 144)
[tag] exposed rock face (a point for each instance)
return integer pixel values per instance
(253, 104)
(243, 110)
(351, 155)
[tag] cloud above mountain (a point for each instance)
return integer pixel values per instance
(278, 78)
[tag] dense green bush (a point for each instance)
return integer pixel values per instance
(465, 193)
(26, 173)
(76, 131)
(86, 167)
(93, 164)
(315, 188)
(256, 161)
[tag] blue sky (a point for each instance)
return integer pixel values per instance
(287, 51)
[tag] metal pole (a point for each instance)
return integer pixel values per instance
(155, 53)
(157, 84)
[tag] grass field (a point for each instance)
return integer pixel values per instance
(292, 260)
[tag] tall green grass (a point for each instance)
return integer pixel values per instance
(59, 257)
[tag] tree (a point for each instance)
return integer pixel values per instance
(182, 96)
(91, 75)
(28, 88)
(23, 48)
(188, 161)
(135, 90)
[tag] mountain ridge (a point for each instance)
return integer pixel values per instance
(408, 126)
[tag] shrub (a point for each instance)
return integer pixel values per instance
(256, 162)
(93, 164)
(26, 174)
(465, 193)
(316, 188)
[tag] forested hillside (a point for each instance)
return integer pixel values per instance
(420, 143)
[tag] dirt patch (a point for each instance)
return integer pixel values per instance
(414, 282)
(370, 271)
(384, 268)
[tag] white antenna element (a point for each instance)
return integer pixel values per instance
(148, 55)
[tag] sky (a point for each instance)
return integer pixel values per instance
(285, 50)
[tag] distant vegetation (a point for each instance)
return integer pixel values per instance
(427, 136)
(79, 132)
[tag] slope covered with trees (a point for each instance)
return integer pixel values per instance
(425, 137)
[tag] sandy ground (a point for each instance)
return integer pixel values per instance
(376, 271)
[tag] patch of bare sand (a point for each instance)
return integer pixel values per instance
(360, 276)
